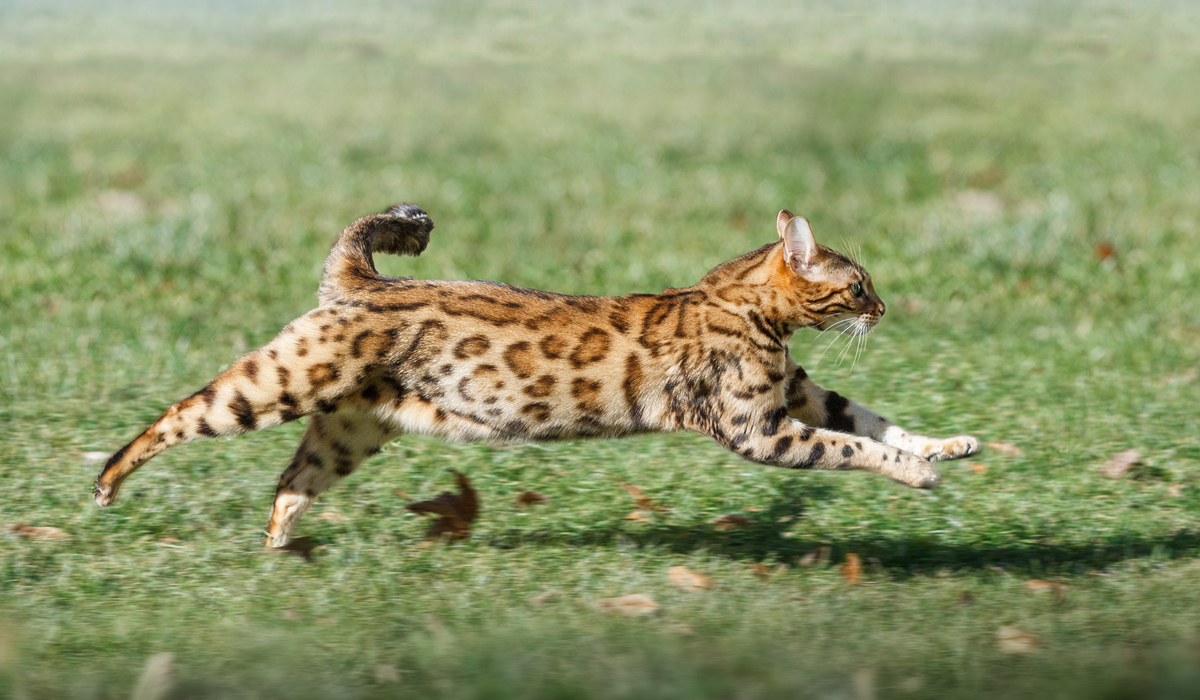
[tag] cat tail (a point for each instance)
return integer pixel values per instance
(401, 230)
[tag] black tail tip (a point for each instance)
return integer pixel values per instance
(412, 213)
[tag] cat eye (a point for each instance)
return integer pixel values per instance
(856, 289)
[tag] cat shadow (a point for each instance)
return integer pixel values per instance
(767, 538)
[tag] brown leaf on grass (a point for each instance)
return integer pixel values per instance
(1011, 640)
(977, 467)
(864, 684)
(965, 598)
(764, 572)
(1175, 490)
(639, 516)
(1058, 590)
(404, 495)
(1104, 251)
(529, 498)
(852, 570)
(157, 679)
(820, 555)
(386, 674)
(457, 510)
(632, 605)
(730, 521)
(543, 597)
(37, 533)
(1005, 448)
(643, 502)
(1121, 463)
(688, 580)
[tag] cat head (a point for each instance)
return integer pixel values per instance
(830, 291)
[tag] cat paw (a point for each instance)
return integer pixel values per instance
(104, 497)
(916, 472)
(956, 447)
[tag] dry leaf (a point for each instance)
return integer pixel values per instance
(404, 495)
(977, 467)
(688, 580)
(457, 510)
(912, 684)
(157, 677)
(386, 674)
(633, 605)
(1105, 251)
(543, 597)
(852, 570)
(639, 516)
(643, 503)
(332, 517)
(95, 457)
(37, 533)
(1175, 490)
(965, 598)
(1011, 640)
(1059, 590)
(761, 570)
(864, 684)
(1120, 464)
(730, 521)
(529, 498)
(820, 555)
(1005, 448)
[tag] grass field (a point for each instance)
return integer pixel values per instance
(1023, 179)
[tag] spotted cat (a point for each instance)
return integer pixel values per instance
(381, 357)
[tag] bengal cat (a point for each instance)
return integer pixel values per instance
(477, 360)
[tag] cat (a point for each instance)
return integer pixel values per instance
(380, 357)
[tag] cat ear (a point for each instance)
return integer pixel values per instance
(799, 246)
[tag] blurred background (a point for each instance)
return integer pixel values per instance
(1023, 182)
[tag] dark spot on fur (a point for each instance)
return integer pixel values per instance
(541, 387)
(205, 429)
(242, 411)
(847, 451)
(370, 393)
(538, 411)
(519, 358)
(592, 347)
(553, 347)
(836, 417)
(322, 375)
(782, 445)
(474, 346)
(774, 418)
(815, 454)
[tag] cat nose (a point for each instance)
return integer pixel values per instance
(882, 307)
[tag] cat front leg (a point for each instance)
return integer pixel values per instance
(829, 409)
(779, 440)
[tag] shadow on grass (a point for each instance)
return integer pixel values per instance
(765, 539)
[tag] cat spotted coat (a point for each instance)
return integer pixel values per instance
(381, 357)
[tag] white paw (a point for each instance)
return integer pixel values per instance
(954, 448)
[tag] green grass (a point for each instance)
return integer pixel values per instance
(171, 180)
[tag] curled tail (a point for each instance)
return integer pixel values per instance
(402, 230)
